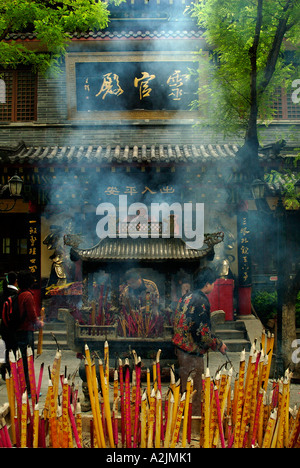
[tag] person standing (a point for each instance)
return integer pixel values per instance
(28, 321)
(10, 285)
(138, 291)
(192, 333)
(10, 289)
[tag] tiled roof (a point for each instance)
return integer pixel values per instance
(115, 35)
(146, 34)
(126, 154)
(131, 154)
(146, 249)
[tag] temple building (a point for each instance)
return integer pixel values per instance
(117, 122)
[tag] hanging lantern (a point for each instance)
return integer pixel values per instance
(258, 189)
(15, 185)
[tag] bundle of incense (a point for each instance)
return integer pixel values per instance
(248, 411)
(135, 322)
(28, 429)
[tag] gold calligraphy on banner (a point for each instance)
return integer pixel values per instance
(175, 82)
(132, 190)
(143, 84)
(244, 251)
(33, 246)
(111, 85)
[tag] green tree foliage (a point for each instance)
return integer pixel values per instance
(51, 22)
(248, 39)
(254, 46)
(284, 182)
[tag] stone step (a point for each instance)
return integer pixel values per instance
(232, 333)
(58, 329)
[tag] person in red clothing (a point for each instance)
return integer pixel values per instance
(10, 289)
(30, 321)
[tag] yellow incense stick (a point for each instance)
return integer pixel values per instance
(178, 421)
(206, 409)
(144, 420)
(169, 422)
(151, 419)
(270, 430)
(106, 361)
(186, 412)
(24, 421)
(247, 400)
(240, 398)
(106, 406)
(158, 419)
(96, 416)
(78, 419)
(148, 384)
(36, 420)
(175, 407)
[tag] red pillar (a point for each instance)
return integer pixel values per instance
(244, 298)
(221, 298)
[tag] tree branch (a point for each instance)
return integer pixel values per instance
(6, 31)
(282, 28)
(251, 135)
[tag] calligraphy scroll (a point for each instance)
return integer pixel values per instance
(244, 250)
(34, 245)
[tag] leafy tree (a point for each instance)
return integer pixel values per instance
(52, 23)
(248, 40)
(254, 49)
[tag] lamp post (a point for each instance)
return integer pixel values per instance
(280, 216)
(258, 189)
(15, 185)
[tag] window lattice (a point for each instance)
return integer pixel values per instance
(20, 96)
(284, 106)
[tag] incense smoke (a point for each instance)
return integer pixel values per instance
(78, 200)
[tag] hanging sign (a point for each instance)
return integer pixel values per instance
(121, 86)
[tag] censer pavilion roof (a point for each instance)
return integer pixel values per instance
(146, 249)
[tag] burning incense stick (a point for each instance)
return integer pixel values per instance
(105, 394)
(186, 412)
(158, 417)
(206, 409)
(24, 421)
(40, 339)
(151, 419)
(178, 421)
(127, 405)
(31, 373)
(239, 397)
(144, 420)
(137, 402)
(252, 417)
